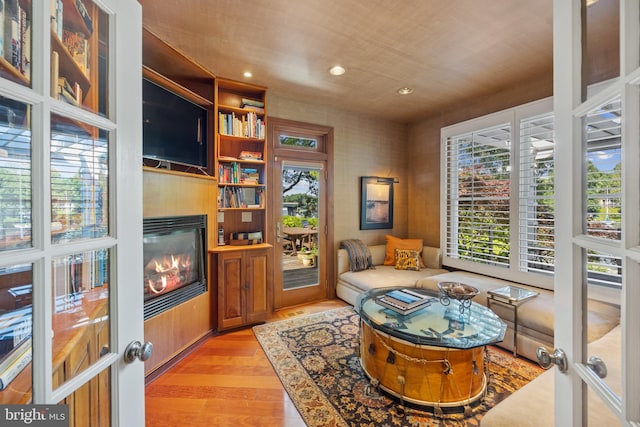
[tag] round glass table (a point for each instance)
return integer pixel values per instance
(434, 356)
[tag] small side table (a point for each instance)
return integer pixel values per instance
(513, 297)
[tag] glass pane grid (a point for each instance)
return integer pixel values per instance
(16, 325)
(603, 172)
(79, 181)
(80, 303)
(15, 175)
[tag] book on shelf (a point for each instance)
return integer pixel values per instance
(78, 47)
(258, 110)
(228, 158)
(404, 301)
(248, 102)
(249, 176)
(14, 362)
(57, 9)
(240, 197)
(82, 10)
(245, 125)
(250, 155)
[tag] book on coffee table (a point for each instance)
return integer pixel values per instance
(403, 301)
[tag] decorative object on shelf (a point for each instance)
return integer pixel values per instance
(458, 291)
(376, 202)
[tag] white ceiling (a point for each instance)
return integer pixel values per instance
(446, 50)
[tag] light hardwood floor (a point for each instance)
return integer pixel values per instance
(227, 381)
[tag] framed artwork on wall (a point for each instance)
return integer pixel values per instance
(376, 202)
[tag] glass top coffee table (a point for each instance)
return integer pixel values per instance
(433, 357)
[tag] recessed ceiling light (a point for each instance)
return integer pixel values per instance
(248, 74)
(336, 70)
(405, 90)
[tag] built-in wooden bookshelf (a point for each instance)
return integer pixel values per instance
(240, 160)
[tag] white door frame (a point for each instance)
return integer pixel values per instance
(571, 241)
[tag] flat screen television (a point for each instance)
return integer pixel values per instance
(174, 129)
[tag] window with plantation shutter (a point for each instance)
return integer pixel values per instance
(499, 194)
(478, 169)
(498, 197)
(536, 210)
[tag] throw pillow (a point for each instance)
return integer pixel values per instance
(407, 259)
(394, 243)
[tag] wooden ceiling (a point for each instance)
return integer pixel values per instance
(446, 51)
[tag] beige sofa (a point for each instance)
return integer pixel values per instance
(351, 284)
(535, 316)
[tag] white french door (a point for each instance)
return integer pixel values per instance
(589, 130)
(71, 207)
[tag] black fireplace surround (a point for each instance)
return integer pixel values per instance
(174, 261)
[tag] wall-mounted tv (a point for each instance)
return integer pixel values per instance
(175, 134)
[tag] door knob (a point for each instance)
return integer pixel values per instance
(136, 349)
(596, 364)
(558, 358)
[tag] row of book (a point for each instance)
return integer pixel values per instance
(15, 36)
(77, 45)
(404, 301)
(235, 173)
(247, 125)
(15, 343)
(240, 197)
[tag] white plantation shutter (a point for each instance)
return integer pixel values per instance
(478, 169)
(536, 195)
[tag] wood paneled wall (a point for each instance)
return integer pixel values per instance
(169, 193)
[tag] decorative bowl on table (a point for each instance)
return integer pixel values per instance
(458, 291)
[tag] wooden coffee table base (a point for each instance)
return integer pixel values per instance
(429, 376)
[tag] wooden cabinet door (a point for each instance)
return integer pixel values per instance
(230, 295)
(257, 269)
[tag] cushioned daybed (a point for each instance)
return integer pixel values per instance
(535, 317)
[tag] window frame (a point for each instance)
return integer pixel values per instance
(513, 116)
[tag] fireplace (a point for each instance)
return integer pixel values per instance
(174, 261)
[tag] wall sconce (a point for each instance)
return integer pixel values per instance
(389, 179)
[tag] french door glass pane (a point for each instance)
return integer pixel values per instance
(80, 312)
(90, 405)
(15, 174)
(79, 181)
(603, 172)
(15, 49)
(603, 334)
(16, 324)
(79, 52)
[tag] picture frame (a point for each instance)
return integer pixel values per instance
(376, 203)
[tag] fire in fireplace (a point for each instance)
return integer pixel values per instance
(174, 261)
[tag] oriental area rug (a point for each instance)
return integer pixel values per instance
(317, 360)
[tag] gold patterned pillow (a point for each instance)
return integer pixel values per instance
(407, 259)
